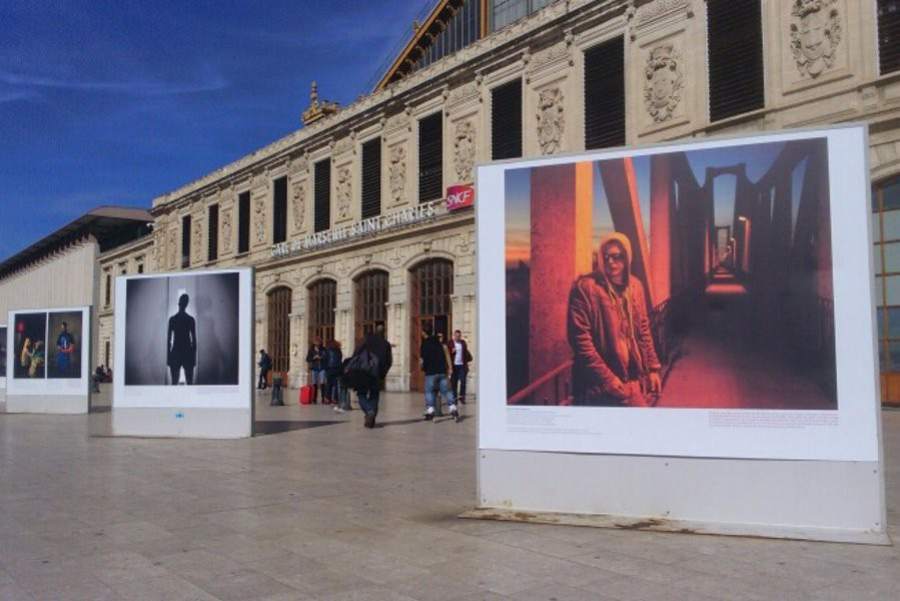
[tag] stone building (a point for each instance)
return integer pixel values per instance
(345, 219)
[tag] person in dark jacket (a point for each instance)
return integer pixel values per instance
(434, 356)
(615, 361)
(369, 388)
(265, 364)
(461, 357)
(316, 360)
(333, 360)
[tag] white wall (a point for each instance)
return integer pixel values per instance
(62, 280)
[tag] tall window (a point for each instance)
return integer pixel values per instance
(431, 157)
(322, 303)
(735, 58)
(243, 222)
(371, 301)
(888, 35)
(278, 310)
(106, 353)
(185, 241)
(108, 289)
(504, 12)
(886, 227)
(371, 178)
(212, 251)
(279, 210)
(604, 94)
(506, 121)
(322, 192)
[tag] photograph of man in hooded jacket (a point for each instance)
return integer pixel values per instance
(615, 361)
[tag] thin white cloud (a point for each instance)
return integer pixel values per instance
(133, 87)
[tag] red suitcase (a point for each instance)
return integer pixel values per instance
(306, 395)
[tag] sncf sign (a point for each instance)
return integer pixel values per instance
(459, 197)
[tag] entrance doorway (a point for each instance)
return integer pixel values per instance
(371, 295)
(278, 310)
(322, 303)
(431, 285)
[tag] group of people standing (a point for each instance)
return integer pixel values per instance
(446, 367)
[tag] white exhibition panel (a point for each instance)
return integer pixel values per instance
(198, 410)
(49, 394)
(797, 473)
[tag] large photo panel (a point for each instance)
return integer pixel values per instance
(186, 340)
(64, 351)
(682, 300)
(30, 345)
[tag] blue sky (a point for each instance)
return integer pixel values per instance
(116, 102)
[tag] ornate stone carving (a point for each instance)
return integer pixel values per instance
(463, 93)
(299, 205)
(226, 231)
(344, 193)
(464, 150)
(550, 56)
(173, 248)
(260, 219)
(159, 246)
(550, 122)
(197, 243)
(662, 89)
(815, 34)
(399, 121)
(300, 164)
(654, 10)
(397, 173)
(343, 145)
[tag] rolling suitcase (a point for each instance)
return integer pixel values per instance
(306, 395)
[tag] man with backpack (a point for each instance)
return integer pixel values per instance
(435, 359)
(265, 364)
(367, 370)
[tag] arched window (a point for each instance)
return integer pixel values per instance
(371, 295)
(320, 309)
(278, 310)
(431, 286)
(886, 232)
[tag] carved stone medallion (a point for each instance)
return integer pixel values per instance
(198, 240)
(815, 34)
(664, 82)
(259, 212)
(299, 205)
(226, 231)
(397, 173)
(173, 248)
(550, 122)
(464, 150)
(344, 193)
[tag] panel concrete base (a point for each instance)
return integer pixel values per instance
(181, 423)
(63, 404)
(810, 500)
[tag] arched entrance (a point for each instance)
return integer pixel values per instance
(278, 310)
(321, 306)
(431, 285)
(370, 306)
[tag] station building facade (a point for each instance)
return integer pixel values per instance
(346, 220)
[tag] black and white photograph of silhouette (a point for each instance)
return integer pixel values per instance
(182, 330)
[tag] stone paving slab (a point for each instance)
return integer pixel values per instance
(320, 508)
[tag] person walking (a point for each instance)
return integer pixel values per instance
(434, 363)
(459, 351)
(367, 370)
(334, 358)
(265, 365)
(316, 360)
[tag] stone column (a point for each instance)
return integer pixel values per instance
(561, 198)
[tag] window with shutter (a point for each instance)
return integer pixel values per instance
(735, 58)
(371, 178)
(888, 36)
(323, 195)
(212, 251)
(506, 121)
(604, 94)
(279, 210)
(243, 222)
(431, 157)
(185, 241)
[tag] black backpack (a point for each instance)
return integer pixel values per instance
(364, 363)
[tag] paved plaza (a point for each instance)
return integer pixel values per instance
(322, 509)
